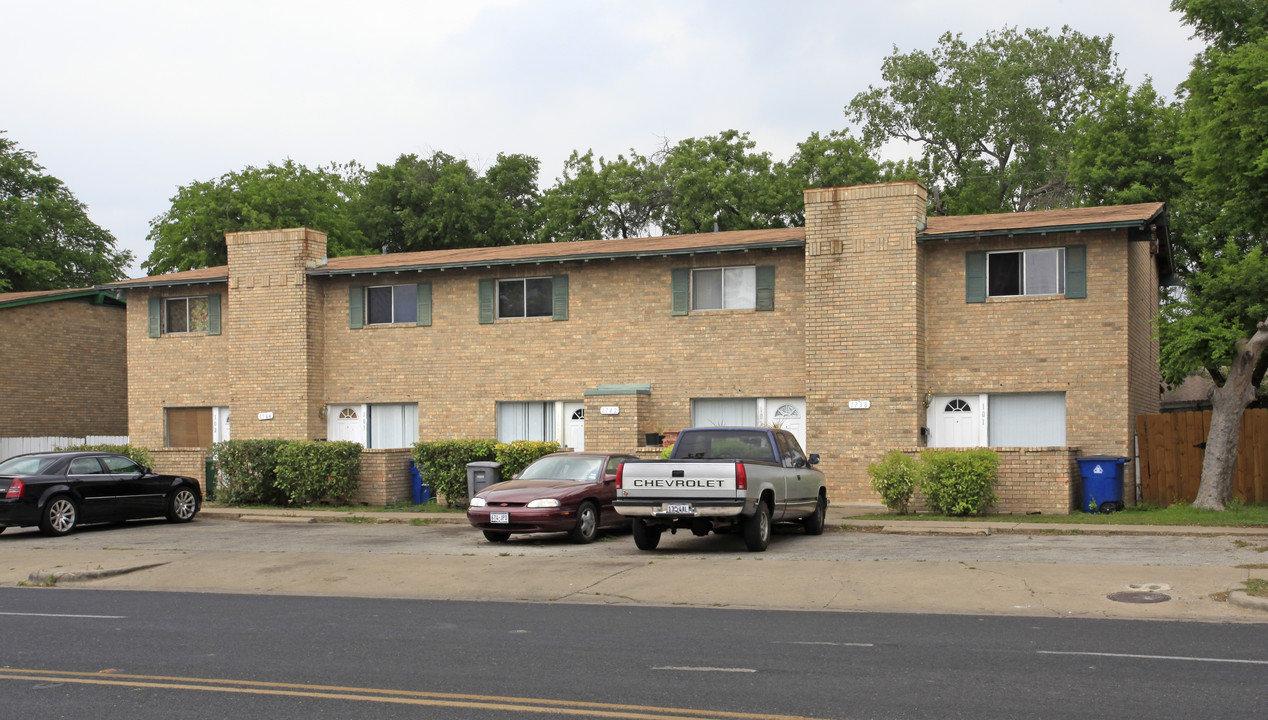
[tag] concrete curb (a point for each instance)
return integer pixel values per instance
(1247, 602)
(41, 577)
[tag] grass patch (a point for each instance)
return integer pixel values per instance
(1257, 587)
(1243, 515)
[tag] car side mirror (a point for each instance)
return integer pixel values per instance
(145, 471)
(814, 458)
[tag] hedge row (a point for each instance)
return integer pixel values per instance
(444, 463)
(136, 452)
(953, 482)
(286, 472)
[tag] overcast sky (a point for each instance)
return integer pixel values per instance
(127, 101)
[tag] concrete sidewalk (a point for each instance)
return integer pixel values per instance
(755, 580)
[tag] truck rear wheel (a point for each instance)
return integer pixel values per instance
(757, 529)
(646, 537)
(813, 523)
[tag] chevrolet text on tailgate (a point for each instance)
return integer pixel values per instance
(723, 480)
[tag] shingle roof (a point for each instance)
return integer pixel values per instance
(35, 296)
(939, 228)
(1138, 215)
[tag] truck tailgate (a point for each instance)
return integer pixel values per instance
(686, 480)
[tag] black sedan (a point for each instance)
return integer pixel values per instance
(58, 491)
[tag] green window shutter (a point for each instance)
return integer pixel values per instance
(356, 310)
(156, 316)
(560, 300)
(424, 304)
(488, 287)
(681, 291)
(975, 276)
(213, 314)
(765, 287)
(1076, 271)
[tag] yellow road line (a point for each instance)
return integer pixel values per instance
(400, 697)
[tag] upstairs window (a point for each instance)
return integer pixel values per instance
(529, 297)
(388, 304)
(732, 288)
(1026, 272)
(184, 315)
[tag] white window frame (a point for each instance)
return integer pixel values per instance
(497, 299)
(185, 299)
(394, 319)
(1024, 282)
(746, 302)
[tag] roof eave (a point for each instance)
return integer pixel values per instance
(1044, 230)
(538, 260)
(96, 295)
(146, 283)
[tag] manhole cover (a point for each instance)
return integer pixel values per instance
(1138, 597)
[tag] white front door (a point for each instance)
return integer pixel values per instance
(575, 425)
(958, 421)
(788, 414)
(345, 422)
(219, 424)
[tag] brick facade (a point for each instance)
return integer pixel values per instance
(65, 369)
(866, 309)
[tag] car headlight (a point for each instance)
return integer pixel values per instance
(478, 502)
(543, 502)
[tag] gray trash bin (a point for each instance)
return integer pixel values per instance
(482, 474)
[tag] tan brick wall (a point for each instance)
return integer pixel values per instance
(65, 370)
(619, 331)
(1043, 480)
(385, 477)
(189, 462)
(622, 432)
(1144, 376)
(1038, 343)
(183, 370)
(864, 327)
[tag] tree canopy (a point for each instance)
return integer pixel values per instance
(995, 119)
(47, 241)
(191, 234)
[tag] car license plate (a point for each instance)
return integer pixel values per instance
(679, 509)
(500, 517)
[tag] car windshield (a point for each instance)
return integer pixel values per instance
(26, 465)
(580, 469)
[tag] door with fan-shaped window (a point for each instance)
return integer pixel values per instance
(346, 422)
(957, 421)
(575, 425)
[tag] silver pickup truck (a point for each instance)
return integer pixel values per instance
(723, 479)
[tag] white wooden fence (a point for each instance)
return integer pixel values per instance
(21, 445)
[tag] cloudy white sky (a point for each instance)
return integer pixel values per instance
(125, 101)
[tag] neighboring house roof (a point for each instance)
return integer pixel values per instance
(93, 295)
(938, 228)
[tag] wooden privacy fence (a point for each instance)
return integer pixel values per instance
(1171, 456)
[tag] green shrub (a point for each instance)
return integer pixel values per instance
(895, 479)
(520, 454)
(664, 454)
(136, 452)
(312, 470)
(959, 482)
(444, 464)
(247, 472)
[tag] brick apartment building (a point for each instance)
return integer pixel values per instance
(65, 370)
(873, 328)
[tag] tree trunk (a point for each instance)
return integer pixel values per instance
(1228, 403)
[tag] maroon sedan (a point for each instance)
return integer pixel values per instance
(563, 492)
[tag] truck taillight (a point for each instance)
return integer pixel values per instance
(16, 487)
(620, 471)
(741, 477)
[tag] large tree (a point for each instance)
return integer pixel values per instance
(722, 180)
(621, 198)
(47, 241)
(191, 234)
(442, 202)
(994, 119)
(1220, 321)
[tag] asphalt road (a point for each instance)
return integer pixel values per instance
(789, 544)
(142, 655)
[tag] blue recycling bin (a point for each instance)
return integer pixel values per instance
(1102, 483)
(422, 493)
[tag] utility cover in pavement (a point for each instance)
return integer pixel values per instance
(1138, 597)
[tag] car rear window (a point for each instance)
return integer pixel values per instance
(724, 445)
(25, 465)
